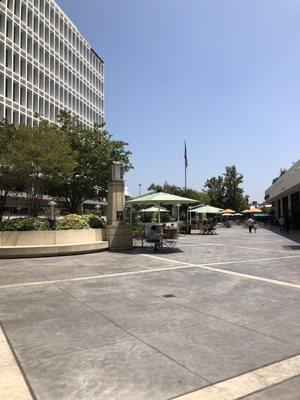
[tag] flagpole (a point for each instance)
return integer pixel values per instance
(185, 165)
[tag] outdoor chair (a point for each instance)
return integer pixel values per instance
(207, 230)
(138, 238)
(170, 237)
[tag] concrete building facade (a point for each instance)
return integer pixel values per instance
(284, 195)
(46, 65)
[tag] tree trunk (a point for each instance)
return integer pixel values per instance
(75, 204)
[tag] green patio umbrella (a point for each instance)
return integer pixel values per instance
(207, 210)
(159, 198)
(154, 209)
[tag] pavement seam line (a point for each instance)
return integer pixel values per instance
(91, 277)
(248, 383)
(228, 321)
(244, 247)
(183, 266)
(136, 337)
(13, 385)
(207, 267)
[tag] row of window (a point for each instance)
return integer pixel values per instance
(27, 42)
(15, 91)
(19, 118)
(37, 77)
(54, 16)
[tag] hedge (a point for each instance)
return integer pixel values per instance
(71, 221)
(25, 224)
(94, 221)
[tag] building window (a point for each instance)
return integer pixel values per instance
(8, 88)
(1, 84)
(2, 53)
(8, 58)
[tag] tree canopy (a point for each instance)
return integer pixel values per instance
(225, 191)
(33, 158)
(93, 151)
(63, 160)
(214, 190)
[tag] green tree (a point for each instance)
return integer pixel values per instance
(215, 191)
(233, 193)
(225, 191)
(94, 151)
(9, 181)
(37, 157)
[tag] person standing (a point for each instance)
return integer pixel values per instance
(250, 224)
(255, 226)
(287, 225)
(281, 224)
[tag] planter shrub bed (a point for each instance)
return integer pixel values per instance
(72, 221)
(25, 224)
(68, 222)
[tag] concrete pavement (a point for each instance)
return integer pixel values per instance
(137, 325)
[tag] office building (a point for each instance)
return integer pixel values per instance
(46, 65)
(284, 195)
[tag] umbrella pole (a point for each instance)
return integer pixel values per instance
(130, 214)
(187, 220)
(159, 213)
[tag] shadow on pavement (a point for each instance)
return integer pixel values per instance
(292, 235)
(150, 250)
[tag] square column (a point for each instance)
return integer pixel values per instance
(118, 233)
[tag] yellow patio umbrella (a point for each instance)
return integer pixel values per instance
(252, 211)
(228, 211)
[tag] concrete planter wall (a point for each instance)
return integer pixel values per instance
(51, 243)
(35, 238)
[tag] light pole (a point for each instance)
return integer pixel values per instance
(140, 185)
(52, 204)
(178, 207)
(189, 214)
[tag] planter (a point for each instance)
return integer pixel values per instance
(51, 243)
(35, 238)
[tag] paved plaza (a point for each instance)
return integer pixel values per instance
(142, 325)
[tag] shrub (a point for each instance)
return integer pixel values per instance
(25, 224)
(181, 225)
(72, 221)
(94, 221)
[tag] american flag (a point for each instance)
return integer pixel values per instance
(186, 164)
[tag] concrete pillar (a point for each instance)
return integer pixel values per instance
(118, 233)
(280, 208)
(115, 202)
(289, 203)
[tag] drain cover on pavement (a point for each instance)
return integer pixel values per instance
(169, 295)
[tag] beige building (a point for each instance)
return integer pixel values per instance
(284, 195)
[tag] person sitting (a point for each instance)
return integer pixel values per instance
(155, 236)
